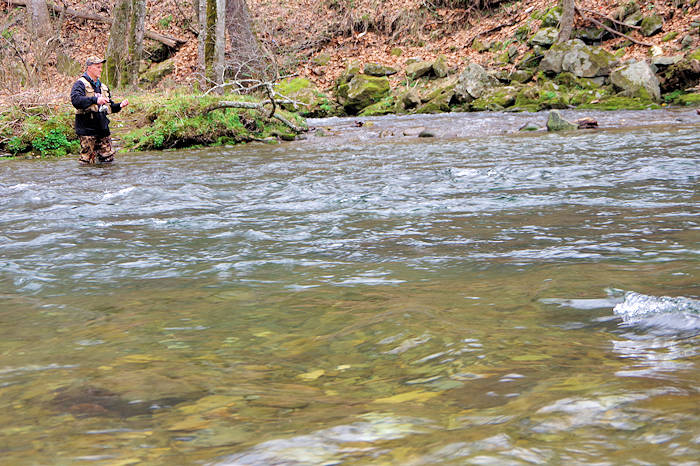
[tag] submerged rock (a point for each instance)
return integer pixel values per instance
(556, 122)
(637, 80)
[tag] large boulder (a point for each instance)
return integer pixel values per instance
(578, 58)
(472, 83)
(365, 90)
(637, 80)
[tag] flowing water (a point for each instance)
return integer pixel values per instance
(363, 297)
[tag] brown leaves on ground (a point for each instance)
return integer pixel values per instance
(300, 32)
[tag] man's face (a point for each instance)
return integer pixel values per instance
(95, 70)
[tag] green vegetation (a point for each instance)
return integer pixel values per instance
(47, 132)
(187, 121)
(155, 123)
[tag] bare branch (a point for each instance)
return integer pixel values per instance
(609, 29)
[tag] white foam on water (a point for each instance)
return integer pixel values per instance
(637, 305)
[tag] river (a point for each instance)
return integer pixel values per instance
(483, 296)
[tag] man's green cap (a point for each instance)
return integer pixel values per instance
(94, 61)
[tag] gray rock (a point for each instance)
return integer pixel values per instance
(426, 133)
(418, 69)
(411, 98)
(375, 69)
(687, 41)
(578, 58)
(556, 122)
(440, 68)
(472, 83)
(413, 132)
(663, 61)
(634, 19)
(651, 25)
(637, 80)
(545, 37)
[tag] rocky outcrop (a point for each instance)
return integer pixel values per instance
(578, 58)
(637, 80)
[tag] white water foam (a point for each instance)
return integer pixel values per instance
(637, 306)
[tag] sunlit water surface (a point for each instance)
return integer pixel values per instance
(476, 298)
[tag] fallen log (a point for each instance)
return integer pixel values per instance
(254, 106)
(171, 42)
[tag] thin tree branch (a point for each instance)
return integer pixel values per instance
(609, 29)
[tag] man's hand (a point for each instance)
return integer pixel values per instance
(124, 103)
(101, 100)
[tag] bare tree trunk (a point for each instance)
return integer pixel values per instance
(38, 15)
(201, 41)
(566, 23)
(138, 20)
(247, 56)
(220, 42)
(125, 46)
(117, 53)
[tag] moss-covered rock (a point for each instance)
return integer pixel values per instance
(637, 80)
(312, 102)
(555, 122)
(438, 104)
(66, 65)
(578, 58)
(158, 71)
(384, 107)
(496, 98)
(521, 76)
(651, 25)
(364, 90)
(552, 17)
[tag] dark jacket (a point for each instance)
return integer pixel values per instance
(90, 123)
